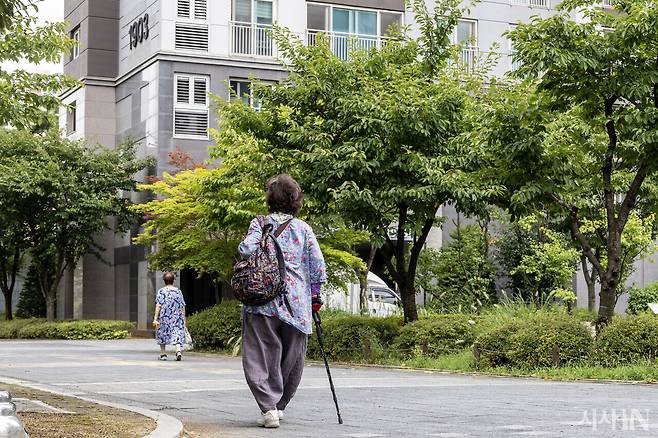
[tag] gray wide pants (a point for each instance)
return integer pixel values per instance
(273, 355)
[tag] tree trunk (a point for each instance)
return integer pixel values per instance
(590, 280)
(591, 293)
(607, 298)
(363, 293)
(8, 298)
(363, 283)
(50, 308)
(409, 301)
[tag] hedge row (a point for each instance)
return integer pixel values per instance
(35, 328)
(525, 340)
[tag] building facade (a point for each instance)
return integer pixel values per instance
(148, 67)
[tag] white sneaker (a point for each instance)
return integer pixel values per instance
(270, 419)
(280, 415)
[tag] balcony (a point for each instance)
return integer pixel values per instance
(606, 4)
(342, 43)
(251, 39)
(530, 3)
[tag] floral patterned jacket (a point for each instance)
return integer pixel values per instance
(304, 266)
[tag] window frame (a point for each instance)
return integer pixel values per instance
(330, 18)
(475, 42)
(190, 106)
(253, 102)
(71, 118)
(75, 36)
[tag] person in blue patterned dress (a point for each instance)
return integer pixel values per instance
(169, 317)
(274, 339)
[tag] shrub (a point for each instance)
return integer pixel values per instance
(218, 327)
(355, 338)
(34, 328)
(627, 339)
(638, 299)
(439, 334)
(529, 342)
(72, 330)
(10, 329)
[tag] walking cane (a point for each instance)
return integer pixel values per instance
(318, 330)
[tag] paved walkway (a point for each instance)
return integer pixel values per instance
(209, 395)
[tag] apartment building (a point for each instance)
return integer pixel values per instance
(148, 67)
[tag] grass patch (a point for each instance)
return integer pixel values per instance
(88, 419)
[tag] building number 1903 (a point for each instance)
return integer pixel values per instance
(139, 31)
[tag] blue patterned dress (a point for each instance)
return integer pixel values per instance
(304, 266)
(172, 320)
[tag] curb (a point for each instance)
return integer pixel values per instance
(166, 425)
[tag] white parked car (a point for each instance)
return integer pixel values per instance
(382, 300)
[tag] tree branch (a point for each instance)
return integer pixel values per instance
(631, 196)
(586, 247)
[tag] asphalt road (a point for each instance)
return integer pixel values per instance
(209, 395)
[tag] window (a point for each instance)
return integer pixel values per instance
(75, 36)
(345, 27)
(191, 114)
(465, 34)
(317, 17)
(191, 26)
(389, 21)
(242, 89)
(71, 115)
(249, 28)
(253, 11)
(384, 296)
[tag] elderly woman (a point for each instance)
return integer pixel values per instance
(169, 318)
(274, 339)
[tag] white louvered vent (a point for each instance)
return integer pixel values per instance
(191, 123)
(184, 8)
(200, 9)
(192, 37)
(200, 91)
(183, 89)
(191, 113)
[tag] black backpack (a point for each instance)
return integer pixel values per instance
(261, 277)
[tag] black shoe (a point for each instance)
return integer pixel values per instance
(179, 356)
(163, 357)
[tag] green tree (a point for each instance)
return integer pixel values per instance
(382, 138)
(580, 135)
(28, 100)
(62, 194)
(200, 214)
(460, 276)
(31, 303)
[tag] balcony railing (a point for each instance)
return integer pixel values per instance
(251, 39)
(607, 4)
(531, 3)
(469, 57)
(342, 43)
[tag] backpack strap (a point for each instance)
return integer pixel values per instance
(281, 228)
